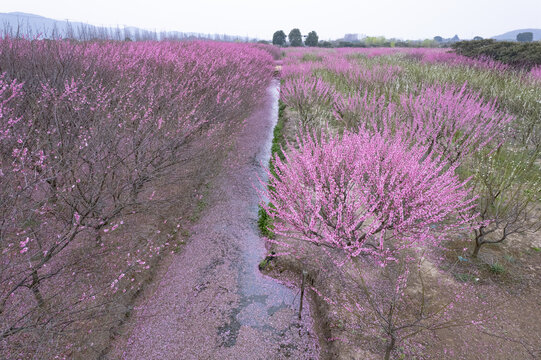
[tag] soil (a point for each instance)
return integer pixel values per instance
(210, 301)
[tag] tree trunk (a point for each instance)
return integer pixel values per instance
(35, 288)
(390, 348)
(304, 273)
(478, 245)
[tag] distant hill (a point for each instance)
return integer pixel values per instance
(512, 35)
(31, 26)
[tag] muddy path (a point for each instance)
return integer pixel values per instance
(210, 301)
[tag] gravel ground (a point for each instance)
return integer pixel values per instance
(211, 302)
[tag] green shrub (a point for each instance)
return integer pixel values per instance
(518, 54)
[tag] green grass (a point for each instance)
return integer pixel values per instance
(509, 258)
(311, 58)
(264, 263)
(462, 277)
(496, 268)
(264, 221)
(278, 139)
(177, 246)
(201, 204)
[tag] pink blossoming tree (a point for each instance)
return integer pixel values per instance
(370, 199)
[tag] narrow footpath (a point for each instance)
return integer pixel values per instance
(212, 302)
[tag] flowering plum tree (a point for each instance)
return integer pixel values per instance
(372, 197)
(364, 194)
(455, 122)
(310, 96)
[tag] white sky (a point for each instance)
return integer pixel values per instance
(405, 19)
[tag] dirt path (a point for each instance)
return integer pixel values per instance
(212, 302)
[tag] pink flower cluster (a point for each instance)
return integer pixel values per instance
(364, 193)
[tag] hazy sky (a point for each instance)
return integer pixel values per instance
(329, 18)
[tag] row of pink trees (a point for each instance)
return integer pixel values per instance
(454, 122)
(86, 128)
(379, 188)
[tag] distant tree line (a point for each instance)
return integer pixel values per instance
(517, 54)
(441, 40)
(85, 32)
(295, 38)
(312, 39)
